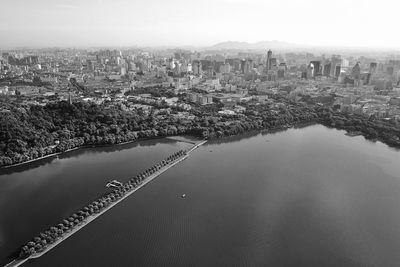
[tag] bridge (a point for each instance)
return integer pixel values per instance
(18, 262)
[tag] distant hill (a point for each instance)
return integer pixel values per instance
(291, 47)
(262, 45)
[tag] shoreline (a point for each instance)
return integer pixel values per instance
(18, 262)
(261, 130)
(90, 146)
(271, 130)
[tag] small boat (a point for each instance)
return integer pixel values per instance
(183, 196)
(114, 183)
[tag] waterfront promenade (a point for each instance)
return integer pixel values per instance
(94, 216)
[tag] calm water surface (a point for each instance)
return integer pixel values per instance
(38, 195)
(303, 197)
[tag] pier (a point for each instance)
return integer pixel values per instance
(131, 189)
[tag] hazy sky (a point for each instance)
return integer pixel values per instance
(201, 22)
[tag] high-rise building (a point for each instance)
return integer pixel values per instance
(336, 61)
(269, 57)
(316, 64)
(345, 63)
(248, 66)
(189, 67)
(177, 69)
(372, 67)
(310, 70)
(273, 62)
(242, 65)
(217, 66)
(356, 71)
(197, 67)
(338, 69)
(226, 68)
(327, 69)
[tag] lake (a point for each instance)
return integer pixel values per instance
(302, 197)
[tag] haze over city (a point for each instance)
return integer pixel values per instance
(199, 133)
(45, 23)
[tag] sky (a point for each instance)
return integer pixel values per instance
(88, 23)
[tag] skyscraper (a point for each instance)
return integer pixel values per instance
(356, 71)
(327, 69)
(196, 67)
(269, 57)
(338, 69)
(242, 66)
(372, 67)
(336, 61)
(273, 62)
(316, 65)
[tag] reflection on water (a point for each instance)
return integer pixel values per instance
(307, 197)
(78, 152)
(37, 195)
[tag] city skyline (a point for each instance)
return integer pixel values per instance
(199, 133)
(46, 23)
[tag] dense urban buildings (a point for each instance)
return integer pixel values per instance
(189, 89)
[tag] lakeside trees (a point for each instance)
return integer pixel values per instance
(369, 128)
(31, 132)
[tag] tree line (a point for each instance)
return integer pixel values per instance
(31, 132)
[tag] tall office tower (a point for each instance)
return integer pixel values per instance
(273, 63)
(356, 71)
(248, 66)
(177, 69)
(242, 65)
(197, 67)
(338, 69)
(269, 57)
(217, 66)
(372, 67)
(210, 71)
(335, 60)
(310, 70)
(345, 63)
(316, 65)
(327, 69)
(205, 64)
(225, 68)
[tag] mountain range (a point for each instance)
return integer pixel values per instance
(292, 47)
(262, 45)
